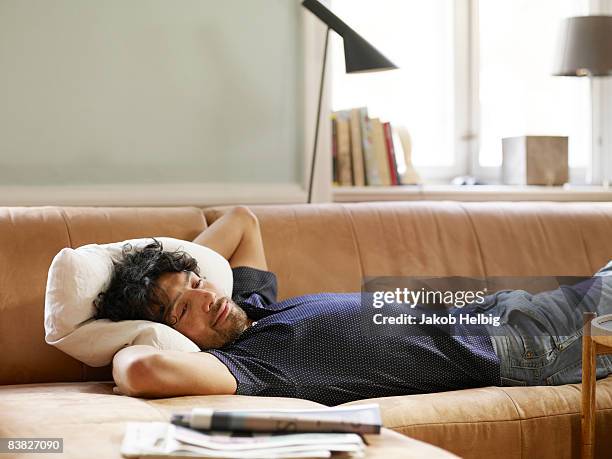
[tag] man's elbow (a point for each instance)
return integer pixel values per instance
(138, 378)
(246, 215)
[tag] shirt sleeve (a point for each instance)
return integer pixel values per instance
(254, 291)
(254, 375)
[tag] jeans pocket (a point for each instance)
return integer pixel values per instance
(568, 365)
(531, 351)
(562, 342)
(530, 336)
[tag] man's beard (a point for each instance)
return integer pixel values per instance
(232, 327)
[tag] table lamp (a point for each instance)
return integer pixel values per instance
(359, 56)
(585, 50)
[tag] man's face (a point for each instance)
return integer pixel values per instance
(199, 310)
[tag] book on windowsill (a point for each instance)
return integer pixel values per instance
(368, 152)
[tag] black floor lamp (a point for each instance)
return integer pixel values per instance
(359, 56)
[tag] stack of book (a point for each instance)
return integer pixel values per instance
(255, 434)
(364, 152)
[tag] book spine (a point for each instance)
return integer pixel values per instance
(345, 172)
(380, 152)
(372, 175)
(391, 153)
(335, 180)
(357, 149)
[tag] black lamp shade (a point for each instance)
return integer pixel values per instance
(359, 55)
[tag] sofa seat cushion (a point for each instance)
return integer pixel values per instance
(509, 422)
(91, 419)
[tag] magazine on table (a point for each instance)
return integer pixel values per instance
(162, 439)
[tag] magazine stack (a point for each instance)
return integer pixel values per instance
(255, 434)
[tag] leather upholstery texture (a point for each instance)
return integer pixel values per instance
(312, 248)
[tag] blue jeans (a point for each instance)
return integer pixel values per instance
(539, 340)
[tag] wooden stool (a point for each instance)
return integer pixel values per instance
(596, 339)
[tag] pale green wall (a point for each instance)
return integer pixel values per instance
(137, 91)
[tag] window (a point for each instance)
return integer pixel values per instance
(418, 37)
(518, 93)
(471, 72)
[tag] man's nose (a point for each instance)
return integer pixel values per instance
(209, 299)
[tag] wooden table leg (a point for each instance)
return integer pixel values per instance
(589, 367)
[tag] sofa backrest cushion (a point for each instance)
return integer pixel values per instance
(331, 247)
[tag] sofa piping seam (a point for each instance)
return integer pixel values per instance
(475, 233)
(351, 223)
(520, 420)
(518, 414)
(583, 242)
(63, 214)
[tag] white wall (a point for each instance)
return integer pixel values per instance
(150, 91)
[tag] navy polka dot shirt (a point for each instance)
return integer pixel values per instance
(312, 347)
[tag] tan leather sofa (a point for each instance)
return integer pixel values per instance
(311, 248)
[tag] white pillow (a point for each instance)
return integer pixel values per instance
(77, 276)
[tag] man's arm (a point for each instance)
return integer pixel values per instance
(143, 371)
(237, 237)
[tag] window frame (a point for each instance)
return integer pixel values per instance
(492, 174)
(467, 110)
(601, 116)
(464, 133)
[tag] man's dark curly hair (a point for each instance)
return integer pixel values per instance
(133, 293)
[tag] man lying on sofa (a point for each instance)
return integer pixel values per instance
(311, 346)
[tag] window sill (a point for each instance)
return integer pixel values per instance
(189, 194)
(471, 193)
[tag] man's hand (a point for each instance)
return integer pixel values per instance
(143, 371)
(237, 237)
